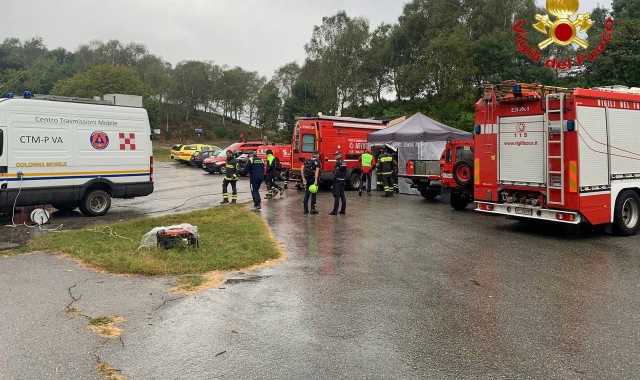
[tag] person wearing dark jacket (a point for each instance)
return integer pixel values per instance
(310, 174)
(255, 168)
(339, 178)
(230, 177)
(385, 170)
(272, 173)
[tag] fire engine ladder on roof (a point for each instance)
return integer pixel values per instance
(555, 171)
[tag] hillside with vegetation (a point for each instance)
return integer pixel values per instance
(432, 60)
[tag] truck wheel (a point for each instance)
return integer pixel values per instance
(65, 207)
(354, 181)
(627, 213)
(428, 193)
(282, 175)
(459, 202)
(95, 203)
(462, 172)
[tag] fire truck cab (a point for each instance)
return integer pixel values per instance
(328, 134)
(556, 154)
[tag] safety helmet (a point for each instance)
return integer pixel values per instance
(313, 189)
(269, 151)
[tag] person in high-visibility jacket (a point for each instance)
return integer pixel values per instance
(367, 162)
(232, 167)
(385, 170)
(272, 173)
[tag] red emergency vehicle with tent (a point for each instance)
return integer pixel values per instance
(558, 154)
(328, 134)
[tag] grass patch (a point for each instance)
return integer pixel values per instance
(101, 321)
(231, 237)
(109, 373)
(73, 311)
(104, 326)
(189, 282)
(161, 153)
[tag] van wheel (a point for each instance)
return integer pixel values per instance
(627, 213)
(65, 207)
(95, 203)
(354, 181)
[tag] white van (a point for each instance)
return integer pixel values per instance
(71, 152)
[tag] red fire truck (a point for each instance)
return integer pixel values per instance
(328, 134)
(565, 155)
(451, 177)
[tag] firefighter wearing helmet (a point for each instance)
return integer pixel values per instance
(232, 167)
(385, 171)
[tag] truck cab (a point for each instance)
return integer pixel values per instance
(450, 178)
(456, 171)
(328, 134)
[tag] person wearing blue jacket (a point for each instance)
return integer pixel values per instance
(255, 168)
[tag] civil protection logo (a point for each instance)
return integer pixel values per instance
(99, 140)
(562, 31)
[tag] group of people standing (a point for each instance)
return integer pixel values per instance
(256, 169)
(385, 165)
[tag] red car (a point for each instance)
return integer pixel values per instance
(217, 164)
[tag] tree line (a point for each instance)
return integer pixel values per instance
(432, 60)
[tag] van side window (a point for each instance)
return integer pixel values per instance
(308, 143)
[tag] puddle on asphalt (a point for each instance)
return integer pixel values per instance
(241, 280)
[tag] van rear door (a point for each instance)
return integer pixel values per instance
(4, 165)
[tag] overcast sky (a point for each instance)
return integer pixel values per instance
(257, 35)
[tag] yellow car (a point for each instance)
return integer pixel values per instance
(175, 151)
(183, 153)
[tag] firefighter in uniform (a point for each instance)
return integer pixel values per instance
(255, 168)
(339, 177)
(310, 174)
(385, 171)
(230, 177)
(367, 162)
(395, 172)
(272, 173)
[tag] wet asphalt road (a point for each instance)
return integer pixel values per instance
(398, 288)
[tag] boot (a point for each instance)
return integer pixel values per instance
(306, 211)
(313, 211)
(224, 201)
(233, 201)
(343, 211)
(360, 193)
(333, 213)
